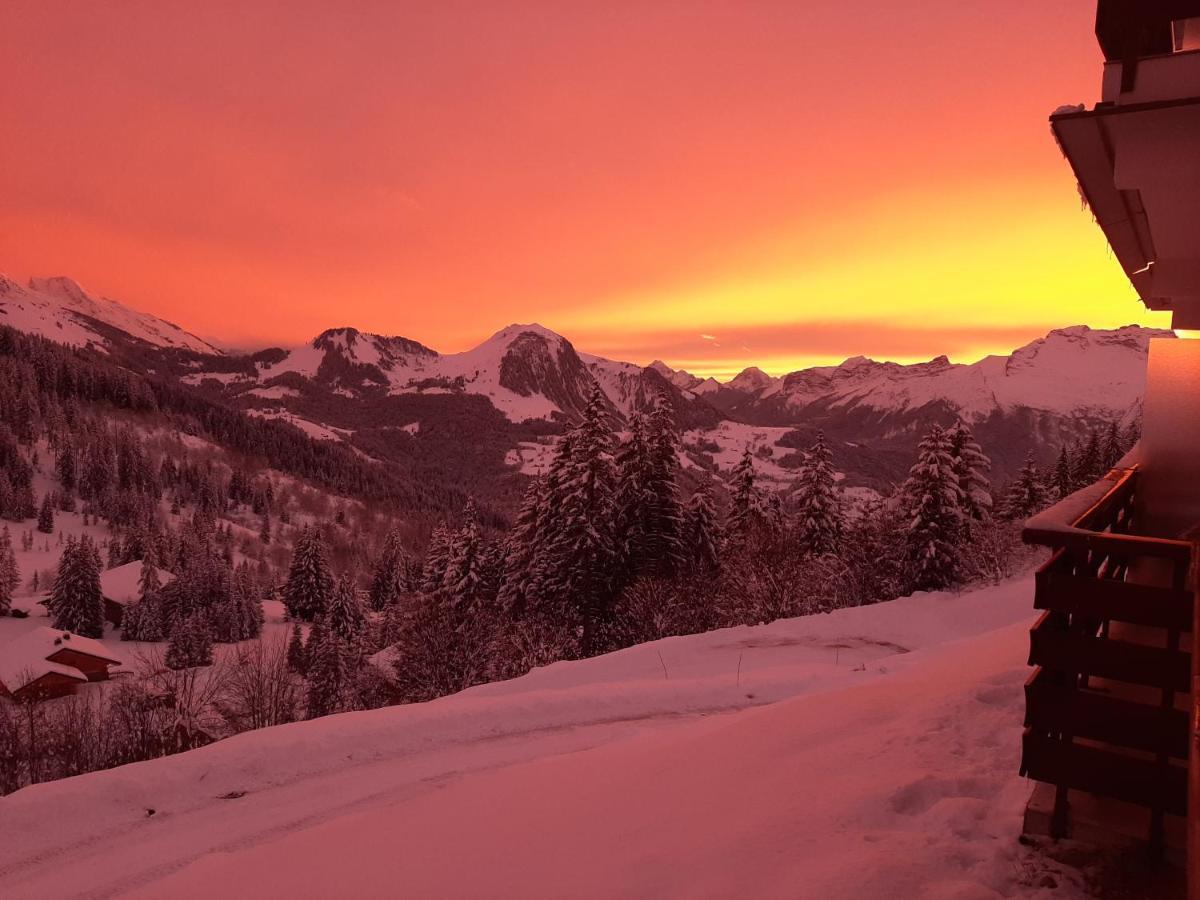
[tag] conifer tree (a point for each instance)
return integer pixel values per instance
(1088, 465)
(330, 674)
(433, 573)
(149, 581)
(520, 548)
(1133, 434)
(23, 504)
(934, 503)
(549, 526)
(632, 467)
(66, 467)
(346, 619)
(190, 644)
(295, 651)
(391, 578)
(462, 583)
(1027, 496)
(1064, 483)
(143, 620)
(971, 466)
(584, 551)
(75, 602)
(264, 530)
(700, 537)
(745, 509)
(10, 574)
(309, 585)
(819, 509)
(664, 515)
(45, 519)
(1112, 450)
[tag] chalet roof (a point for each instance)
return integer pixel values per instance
(25, 659)
(120, 584)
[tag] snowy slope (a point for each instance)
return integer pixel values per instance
(61, 310)
(881, 760)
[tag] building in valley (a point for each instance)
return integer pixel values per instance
(46, 663)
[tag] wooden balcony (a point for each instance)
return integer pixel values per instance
(1109, 707)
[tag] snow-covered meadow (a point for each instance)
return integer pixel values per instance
(868, 752)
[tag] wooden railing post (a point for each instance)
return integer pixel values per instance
(1193, 822)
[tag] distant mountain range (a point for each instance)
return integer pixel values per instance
(493, 406)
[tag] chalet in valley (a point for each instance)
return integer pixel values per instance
(120, 587)
(47, 663)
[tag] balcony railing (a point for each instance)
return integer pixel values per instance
(1107, 708)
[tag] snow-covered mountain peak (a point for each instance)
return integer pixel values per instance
(60, 309)
(855, 363)
(752, 380)
(1080, 340)
(63, 287)
(510, 333)
(685, 381)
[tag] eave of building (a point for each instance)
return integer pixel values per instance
(1131, 207)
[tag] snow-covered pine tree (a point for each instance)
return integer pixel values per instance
(437, 556)
(75, 602)
(745, 508)
(242, 613)
(1027, 495)
(664, 516)
(23, 503)
(700, 532)
(391, 578)
(310, 584)
(971, 465)
(345, 618)
(295, 651)
(520, 548)
(190, 644)
(264, 528)
(1112, 449)
(66, 466)
(10, 574)
(632, 466)
(1133, 434)
(116, 551)
(933, 500)
(819, 518)
(491, 572)
(45, 519)
(1063, 482)
(330, 674)
(583, 552)
(1088, 465)
(463, 582)
(149, 581)
(143, 619)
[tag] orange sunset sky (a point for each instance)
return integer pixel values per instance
(717, 184)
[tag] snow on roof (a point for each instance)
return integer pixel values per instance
(120, 585)
(24, 660)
